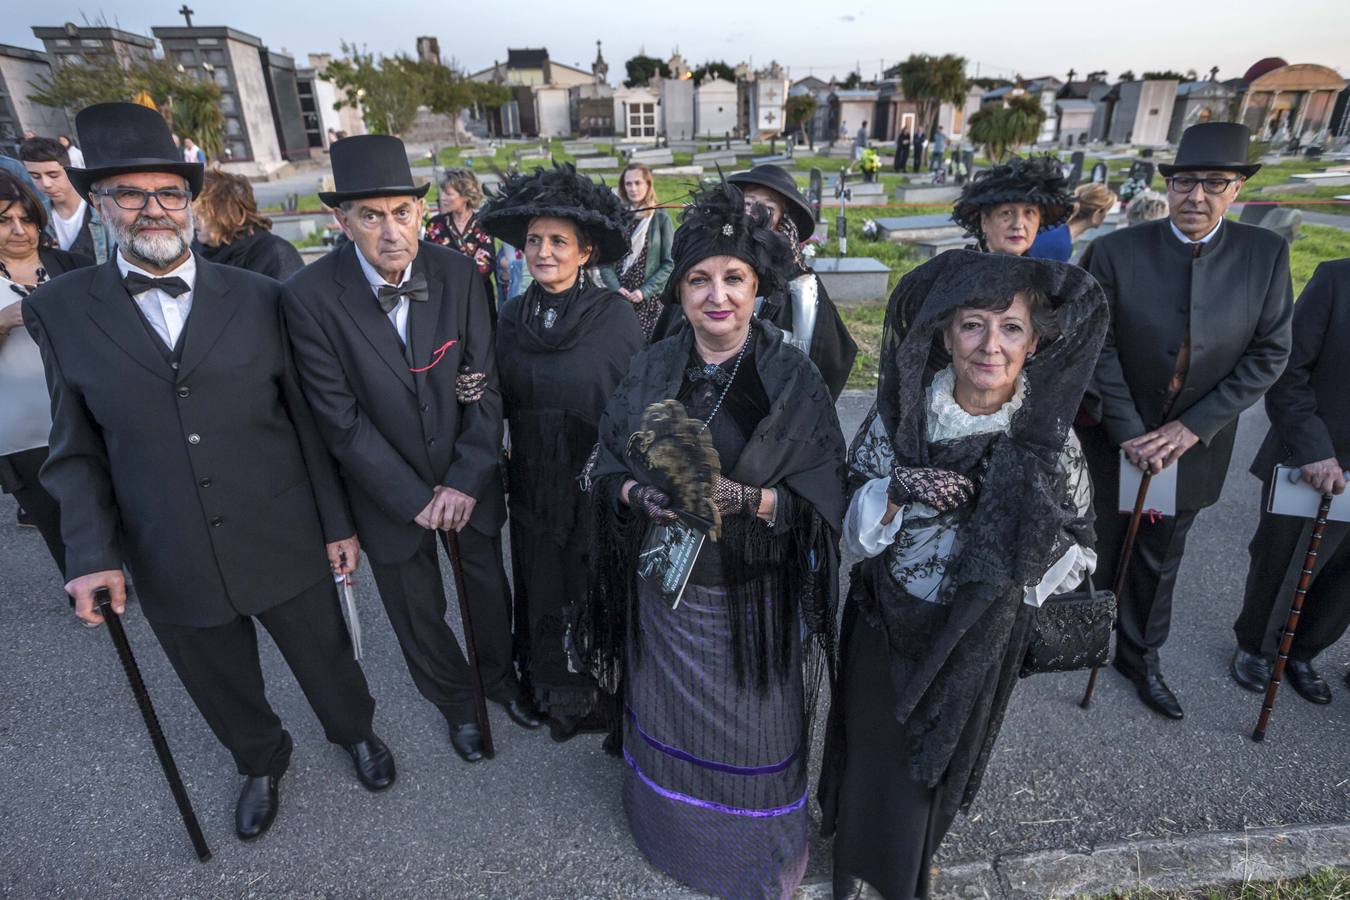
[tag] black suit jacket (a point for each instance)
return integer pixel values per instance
(232, 522)
(1309, 407)
(1235, 298)
(395, 433)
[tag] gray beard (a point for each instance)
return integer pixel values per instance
(157, 251)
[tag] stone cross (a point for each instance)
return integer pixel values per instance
(186, 12)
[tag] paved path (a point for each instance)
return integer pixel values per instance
(85, 812)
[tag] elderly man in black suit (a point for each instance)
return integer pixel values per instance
(182, 446)
(382, 326)
(1200, 311)
(1309, 409)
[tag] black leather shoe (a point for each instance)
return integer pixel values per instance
(522, 712)
(374, 763)
(1155, 693)
(467, 741)
(1310, 686)
(1250, 671)
(257, 806)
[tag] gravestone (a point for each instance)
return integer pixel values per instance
(1099, 173)
(1075, 169)
(1282, 220)
(593, 163)
(814, 192)
(852, 279)
(910, 229)
(719, 157)
(1142, 170)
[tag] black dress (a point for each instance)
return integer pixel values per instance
(559, 357)
(262, 252)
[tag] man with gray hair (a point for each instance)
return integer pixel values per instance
(182, 447)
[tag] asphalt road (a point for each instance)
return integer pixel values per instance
(85, 812)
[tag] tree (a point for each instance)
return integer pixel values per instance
(988, 83)
(642, 68)
(852, 82)
(1165, 75)
(187, 100)
(717, 69)
(1099, 75)
(932, 81)
(387, 90)
(449, 91)
(1127, 75)
(1000, 128)
(798, 110)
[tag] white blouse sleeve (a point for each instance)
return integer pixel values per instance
(864, 535)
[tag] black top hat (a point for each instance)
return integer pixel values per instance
(564, 193)
(777, 179)
(127, 137)
(1218, 146)
(1038, 179)
(370, 165)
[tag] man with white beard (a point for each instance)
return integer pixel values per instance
(182, 447)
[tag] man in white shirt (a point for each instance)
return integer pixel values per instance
(74, 223)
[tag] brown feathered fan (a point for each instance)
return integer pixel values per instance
(677, 452)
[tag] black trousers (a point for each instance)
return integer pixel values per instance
(918, 156)
(220, 668)
(1146, 603)
(19, 476)
(414, 598)
(901, 157)
(1278, 550)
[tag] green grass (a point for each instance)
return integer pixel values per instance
(1326, 884)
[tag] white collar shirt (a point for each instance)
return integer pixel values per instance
(166, 313)
(1204, 240)
(398, 316)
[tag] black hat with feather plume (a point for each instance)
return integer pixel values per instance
(716, 223)
(1038, 179)
(561, 193)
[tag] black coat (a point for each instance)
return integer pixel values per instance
(1309, 407)
(396, 434)
(233, 522)
(1236, 299)
(262, 252)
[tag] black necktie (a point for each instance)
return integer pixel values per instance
(136, 283)
(415, 289)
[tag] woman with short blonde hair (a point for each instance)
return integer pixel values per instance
(456, 226)
(232, 232)
(1092, 201)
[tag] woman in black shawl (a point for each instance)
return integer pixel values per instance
(562, 346)
(716, 704)
(971, 504)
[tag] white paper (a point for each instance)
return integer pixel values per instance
(1162, 490)
(1292, 496)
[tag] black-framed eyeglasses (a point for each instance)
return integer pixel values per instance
(1184, 184)
(171, 199)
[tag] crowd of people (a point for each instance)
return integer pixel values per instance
(191, 408)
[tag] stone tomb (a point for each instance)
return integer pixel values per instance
(599, 163)
(853, 279)
(927, 193)
(910, 229)
(722, 157)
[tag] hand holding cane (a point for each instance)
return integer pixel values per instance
(1295, 612)
(451, 540)
(103, 600)
(1122, 567)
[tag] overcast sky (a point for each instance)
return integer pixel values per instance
(1032, 38)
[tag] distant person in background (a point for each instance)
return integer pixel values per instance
(1003, 208)
(1093, 202)
(843, 132)
(29, 135)
(937, 149)
(902, 142)
(76, 155)
(860, 141)
(456, 226)
(1144, 207)
(920, 140)
(231, 231)
(193, 153)
(75, 224)
(513, 276)
(641, 275)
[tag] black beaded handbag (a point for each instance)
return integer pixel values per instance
(1071, 631)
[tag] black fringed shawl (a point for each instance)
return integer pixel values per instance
(555, 382)
(797, 447)
(953, 665)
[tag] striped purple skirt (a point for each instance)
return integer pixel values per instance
(716, 786)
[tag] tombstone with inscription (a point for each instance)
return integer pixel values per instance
(1141, 170)
(1075, 169)
(1098, 173)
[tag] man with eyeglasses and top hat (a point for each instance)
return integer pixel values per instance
(1200, 329)
(183, 448)
(394, 341)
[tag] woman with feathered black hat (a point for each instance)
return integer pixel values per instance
(562, 346)
(717, 704)
(1005, 207)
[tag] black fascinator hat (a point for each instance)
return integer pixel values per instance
(1038, 180)
(562, 193)
(716, 223)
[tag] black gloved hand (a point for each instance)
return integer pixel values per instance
(469, 386)
(652, 502)
(733, 498)
(941, 489)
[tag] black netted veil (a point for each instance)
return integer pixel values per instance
(954, 663)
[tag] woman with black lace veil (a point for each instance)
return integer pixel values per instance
(562, 347)
(970, 505)
(718, 688)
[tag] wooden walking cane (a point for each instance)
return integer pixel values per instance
(1295, 612)
(103, 600)
(1126, 551)
(451, 541)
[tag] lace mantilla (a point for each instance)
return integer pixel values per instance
(948, 421)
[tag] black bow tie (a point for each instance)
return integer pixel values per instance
(136, 283)
(717, 375)
(415, 289)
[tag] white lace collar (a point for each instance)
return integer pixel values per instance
(948, 421)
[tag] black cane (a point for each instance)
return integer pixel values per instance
(1295, 612)
(103, 600)
(451, 540)
(1126, 551)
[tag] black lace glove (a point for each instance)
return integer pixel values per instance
(732, 498)
(652, 502)
(938, 488)
(469, 386)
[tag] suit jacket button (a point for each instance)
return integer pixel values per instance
(217, 521)
(183, 391)
(194, 438)
(426, 407)
(431, 442)
(205, 482)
